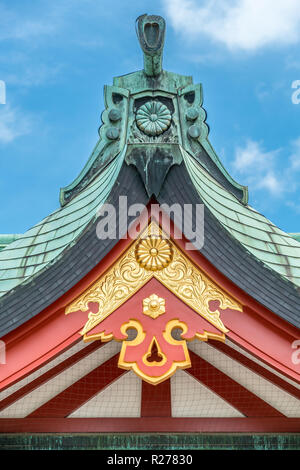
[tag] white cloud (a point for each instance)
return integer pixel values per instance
(253, 157)
(15, 26)
(295, 157)
(30, 36)
(238, 24)
(292, 62)
(294, 205)
(13, 124)
(270, 182)
(46, 19)
(33, 74)
(262, 170)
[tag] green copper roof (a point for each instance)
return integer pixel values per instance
(296, 236)
(275, 248)
(7, 238)
(43, 243)
(153, 150)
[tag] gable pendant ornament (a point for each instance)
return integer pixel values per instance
(177, 302)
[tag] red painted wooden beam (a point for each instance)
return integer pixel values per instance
(156, 399)
(145, 425)
(232, 392)
(261, 332)
(50, 374)
(80, 392)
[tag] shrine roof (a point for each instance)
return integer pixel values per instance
(140, 160)
(276, 249)
(32, 252)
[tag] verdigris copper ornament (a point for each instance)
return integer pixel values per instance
(151, 34)
(153, 118)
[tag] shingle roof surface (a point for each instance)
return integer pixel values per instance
(43, 243)
(275, 248)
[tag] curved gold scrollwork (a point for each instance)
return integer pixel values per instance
(179, 275)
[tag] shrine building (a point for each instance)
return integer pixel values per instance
(155, 308)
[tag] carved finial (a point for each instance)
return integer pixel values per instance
(151, 34)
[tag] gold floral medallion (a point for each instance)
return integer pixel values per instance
(154, 253)
(154, 306)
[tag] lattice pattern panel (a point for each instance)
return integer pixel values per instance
(270, 393)
(44, 393)
(122, 399)
(262, 364)
(62, 357)
(192, 399)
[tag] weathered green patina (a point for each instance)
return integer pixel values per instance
(151, 34)
(123, 139)
(46, 241)
(150, 441)
(296, 236)
(6, 239)
(275, 248)
(125, 101)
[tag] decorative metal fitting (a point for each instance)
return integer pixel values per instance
(151, 34)
(194, 131)
(112, 133)
(154, 253)
(114, 115)
(154, 306)
(153, 118)
(192, 114)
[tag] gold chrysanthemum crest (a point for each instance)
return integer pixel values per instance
(153, 118)
(154, 253)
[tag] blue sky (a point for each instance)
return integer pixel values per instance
(56, 56)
